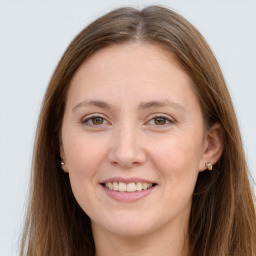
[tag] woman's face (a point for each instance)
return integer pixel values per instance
(133, 140)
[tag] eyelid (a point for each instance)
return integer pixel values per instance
(86, 118)
(167, 117)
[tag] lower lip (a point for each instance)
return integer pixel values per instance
(128, 196)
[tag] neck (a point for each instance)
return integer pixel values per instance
(170, 241)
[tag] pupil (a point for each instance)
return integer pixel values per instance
(160, 120)
(97, 120)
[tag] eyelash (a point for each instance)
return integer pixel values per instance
(165, 118)
(88, 121)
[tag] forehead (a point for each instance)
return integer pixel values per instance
(138, 71)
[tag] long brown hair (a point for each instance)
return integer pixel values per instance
(222, 220)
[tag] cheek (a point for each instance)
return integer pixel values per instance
(178, 162)
(178, 151)
(84, 155)
(83, 159)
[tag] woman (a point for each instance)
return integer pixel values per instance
(138, 149)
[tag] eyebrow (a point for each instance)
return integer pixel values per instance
(96, 103)
(164, 103)
(143, 105)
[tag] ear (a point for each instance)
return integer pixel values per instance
(213, 146)
(63, 158)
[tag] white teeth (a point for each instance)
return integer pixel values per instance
(139, 186)
(109, 185)
(130, 187)
(144, 186)
(122, 187)
(115, 186)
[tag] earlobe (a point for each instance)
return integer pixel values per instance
(63, 159)
(213, 147)
(63, 166)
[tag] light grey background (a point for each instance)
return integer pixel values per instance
(33, 36)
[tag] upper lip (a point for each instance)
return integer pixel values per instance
(127, 180)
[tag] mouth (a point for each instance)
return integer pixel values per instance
(128, 187)
(128, 190)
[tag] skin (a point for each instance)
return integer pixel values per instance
(128, 141)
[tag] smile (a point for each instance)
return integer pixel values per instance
(128, 190)
(128, 187)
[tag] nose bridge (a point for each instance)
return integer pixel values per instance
(126, 149)
(127, 139)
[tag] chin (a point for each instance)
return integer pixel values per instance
(130, 231)
(128, 224)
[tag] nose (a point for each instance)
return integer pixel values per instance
(126, 149)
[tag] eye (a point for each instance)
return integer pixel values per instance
(160, 121)
(94, 121)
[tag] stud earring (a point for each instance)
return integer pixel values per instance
(61, 163)
(209, 166)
